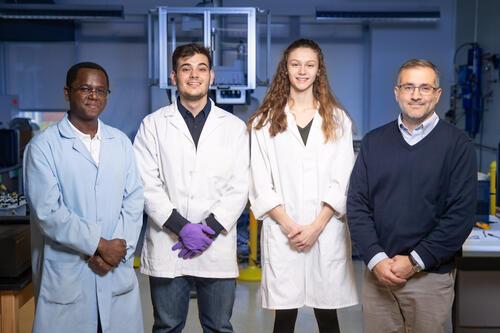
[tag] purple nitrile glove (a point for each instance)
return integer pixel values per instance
(177, 245)
(184, 252)
(193, 236)
(187, 254)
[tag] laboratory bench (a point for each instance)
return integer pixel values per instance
(15, 270)
(477, 286)
(14, 293)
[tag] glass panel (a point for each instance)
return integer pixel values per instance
(182, 29)
(262, 65)
(230, 49)
(42, 119)
(36, 73)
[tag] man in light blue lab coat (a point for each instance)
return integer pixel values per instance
(86, 203)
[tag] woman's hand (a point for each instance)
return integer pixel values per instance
(284, 220)
(304, 237)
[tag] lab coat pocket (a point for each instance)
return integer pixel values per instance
(123, 278)
(61, 281)
(277, 248)
(333, 242)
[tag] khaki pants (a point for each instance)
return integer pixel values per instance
(421, 305)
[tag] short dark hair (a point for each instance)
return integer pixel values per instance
(412, 63)
(73, 72)
(190, 50)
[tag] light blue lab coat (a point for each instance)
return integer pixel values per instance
(73, 203)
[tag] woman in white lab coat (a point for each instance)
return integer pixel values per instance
(301, 160)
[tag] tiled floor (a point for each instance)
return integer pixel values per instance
(248, 316)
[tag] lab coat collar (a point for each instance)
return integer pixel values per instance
(174, 116)
(213, 121)
(66, 131)
(292, 125)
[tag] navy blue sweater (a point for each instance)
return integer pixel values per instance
(422, 197)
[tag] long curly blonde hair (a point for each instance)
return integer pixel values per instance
(272, 109)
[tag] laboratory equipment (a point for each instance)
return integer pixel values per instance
(12, 204)
(233, 36)
(9, 154)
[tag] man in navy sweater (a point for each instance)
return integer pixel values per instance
(410, 207)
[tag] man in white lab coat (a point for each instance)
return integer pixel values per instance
(193, 158)
(86, 202)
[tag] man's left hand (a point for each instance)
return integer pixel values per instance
(98, 265)
(402, 267)
(185, 252)
(112, 251)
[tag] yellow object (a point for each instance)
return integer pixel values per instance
(483, 225)
(493, 189)
(137, 262)
(252, 272)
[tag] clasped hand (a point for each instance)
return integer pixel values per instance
(193, 240)
(109, 254)
(394, 271)
(302, 237)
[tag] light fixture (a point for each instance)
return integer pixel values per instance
(60, 12)
(362, 16)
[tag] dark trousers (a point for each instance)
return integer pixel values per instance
(284, 321)
(170, 299)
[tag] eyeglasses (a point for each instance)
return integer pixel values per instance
(87, 91)
(424, 89)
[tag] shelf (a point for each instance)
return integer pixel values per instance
(14, 219)
(7, 169)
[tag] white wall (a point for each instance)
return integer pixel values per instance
(392, 45)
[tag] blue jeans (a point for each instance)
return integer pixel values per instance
(171, 302)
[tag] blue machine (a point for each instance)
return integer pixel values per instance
(469, 81)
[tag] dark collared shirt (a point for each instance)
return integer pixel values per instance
(176, 221)
(194, 124)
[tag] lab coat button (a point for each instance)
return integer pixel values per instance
(191, 197)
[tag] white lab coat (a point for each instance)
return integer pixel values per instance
(73, 203)
(300, 177)
(212, 178)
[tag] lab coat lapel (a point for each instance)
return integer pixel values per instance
(316, 133)
(213, 121)
(66, 131)
(292, 126)
(80, 147)
(106, 152)
(175, 118)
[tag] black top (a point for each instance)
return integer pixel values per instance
(304, 131)
(194, 124)
(421, 197)
(16, 283)
(176, 221)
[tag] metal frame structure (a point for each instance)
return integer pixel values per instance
(207, 12)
